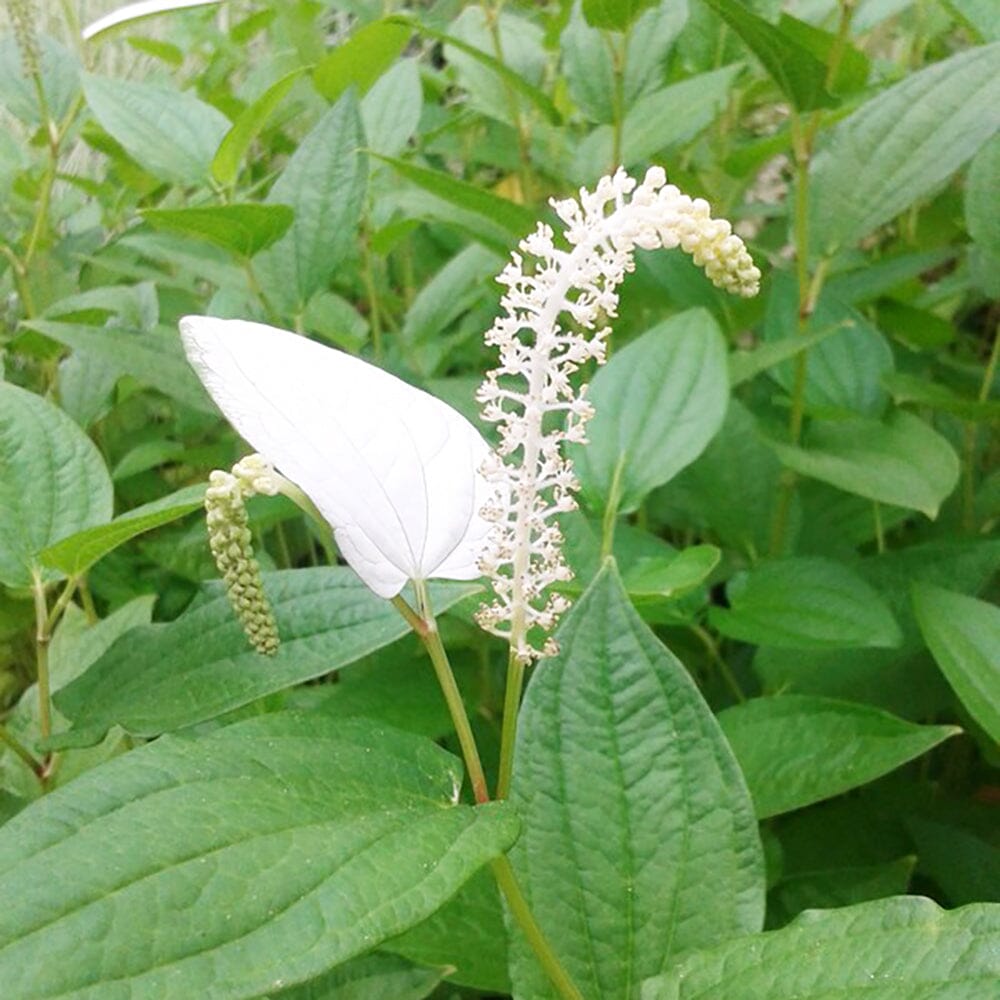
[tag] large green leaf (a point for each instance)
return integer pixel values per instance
(639, 840)
(75, 645)
(169, 132)
(833, 886)
(199, 666)
(514, 218)
(59, 69)
(964, 865)
(243, 230)
(154, 357)
(370, 977)
(982, 213)
(658, 402)
(588, 61)
(900, 460)
(904, 680)
(792, 65)
(795, 750)
(980, 15)
(53, 482)
(616, 15)
(963, 634)
(324, 184)
(846, 369)
(362, 59)
(390, 111)
(386, 688)
(657, 121)
(745, 365)
(853, 67)
(715, 494)
(78, 552)
(467, 935)
(903, 948)
(256, 857)
(497, 68)
(805, 603)
(232, 149)
(902, 145)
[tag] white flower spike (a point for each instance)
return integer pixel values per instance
(539, 352)
(394, 470)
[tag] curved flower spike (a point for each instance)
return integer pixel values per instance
(394, 470)
(539, 352)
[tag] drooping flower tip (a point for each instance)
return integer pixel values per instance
(231, 543)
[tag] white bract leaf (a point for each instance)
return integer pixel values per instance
(135, 11)
(394, 470)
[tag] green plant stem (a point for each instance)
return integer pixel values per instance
(879, 530)
(20, 276)
(54, 135)
(492, 15)
(810, 285)
(990, 374)
(87, 602)
(371, 292)
(61, 602)
(288, 489)
(837, 50)
(971, 431)
(42, 638)
(283, 549)
(610, 518)
(41, 213)
(508, 731)
(725, 671)
(521, 911)
(256, 289)
(18, 748)
(619, 57)
(424, 624)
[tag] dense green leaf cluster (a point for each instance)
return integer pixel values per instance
(763, 763)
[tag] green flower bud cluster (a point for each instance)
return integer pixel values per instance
(230, 540)
(22, 18)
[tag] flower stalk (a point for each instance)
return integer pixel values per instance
(425, 625)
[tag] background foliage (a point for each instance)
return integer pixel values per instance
(801, 491)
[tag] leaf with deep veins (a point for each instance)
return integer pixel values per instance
(233, 865)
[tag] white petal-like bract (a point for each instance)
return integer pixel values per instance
(393, 469)
(135, 11)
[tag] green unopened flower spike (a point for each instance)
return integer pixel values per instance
(22, 17)
(230, 540)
